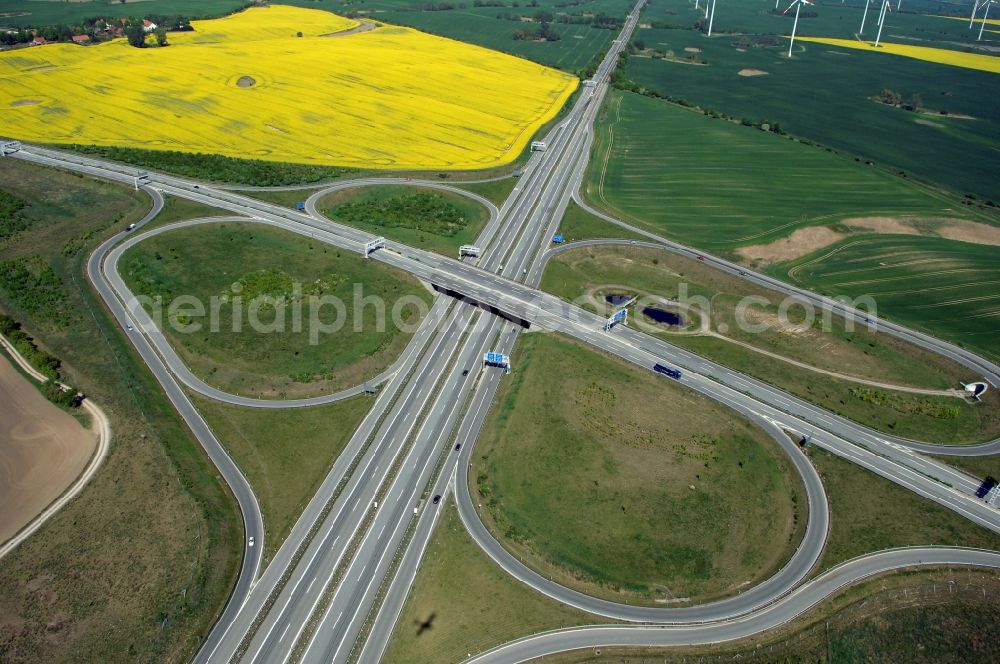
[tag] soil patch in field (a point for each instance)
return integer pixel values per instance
(692, 49)
(808, 240)
(752, 72)
(950, 229)
(365, 26)
(246, 82)
(25, 102)
(42, 450)
(799, 243)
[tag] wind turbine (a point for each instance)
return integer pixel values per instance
(886, 8)
(798, 5)
(864, 16)
(975, 8)
(711, 18)
(986, 3)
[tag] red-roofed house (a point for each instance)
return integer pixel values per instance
(147, 25)
(81, 39)
(38, 41)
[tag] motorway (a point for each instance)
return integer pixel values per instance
(337, 584)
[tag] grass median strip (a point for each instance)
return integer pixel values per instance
(462, 603)
(285, 454)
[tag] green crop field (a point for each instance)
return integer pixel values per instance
(826, 94)
(435, 220)
(35, 13)
(587, 471)
(277, 359)
(943, 287)
(577, 45)
(490, 26)
(494, 26)
(720, 185)
(828, 18)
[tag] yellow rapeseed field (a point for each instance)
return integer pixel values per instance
(246, 86)
(979, 19)
(942, 56)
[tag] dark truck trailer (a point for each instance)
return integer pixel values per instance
(986, 486)
(667, 371)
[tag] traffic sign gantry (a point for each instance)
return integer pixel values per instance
(497, 360)
(377, 243)
(469, 250)
(620, 316)
(9, 147)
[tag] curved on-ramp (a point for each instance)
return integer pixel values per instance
(797, 567)
(783, 611)
(143, 323)
(313, 200)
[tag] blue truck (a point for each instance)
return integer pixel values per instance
(300, 205)
(667, 371)
(986, 486)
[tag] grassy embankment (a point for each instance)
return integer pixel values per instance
(587, 471)
(439, 221)
(918, 616)
(888, 516)
(578, 224)
(180, 209)
(285, 454)
(472, 605)
(280, 360)
(978, 467)
(138, 565)
(953, 148)
(859, 353)
(496, 191)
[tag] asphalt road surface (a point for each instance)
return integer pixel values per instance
(337, 584)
